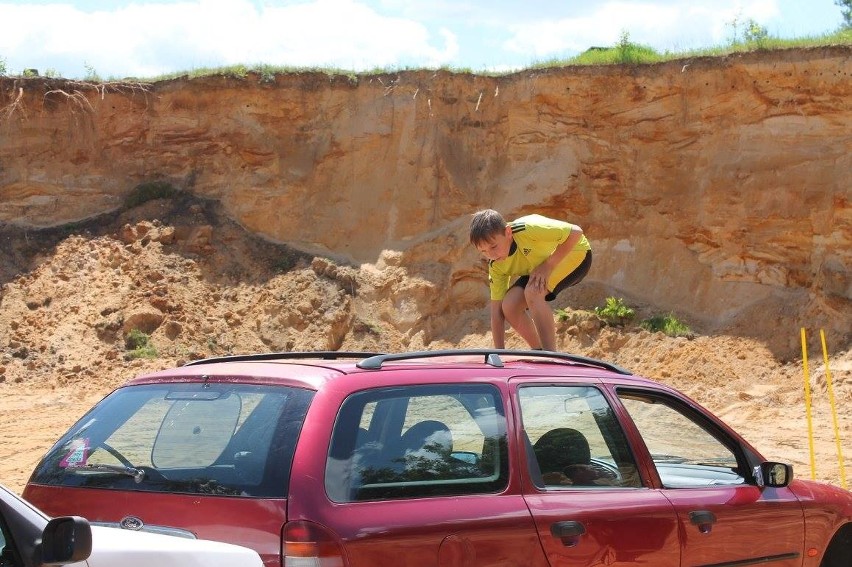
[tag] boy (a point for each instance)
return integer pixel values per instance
(548, 255)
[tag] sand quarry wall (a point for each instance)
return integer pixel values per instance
(715, 188)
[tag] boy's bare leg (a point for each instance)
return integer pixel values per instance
(542, 318)
(515, 310)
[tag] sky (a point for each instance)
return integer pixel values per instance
(114, 39)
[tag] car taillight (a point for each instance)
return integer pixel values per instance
(309, 545)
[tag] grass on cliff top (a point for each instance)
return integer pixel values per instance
(627, 52)
(624, 52)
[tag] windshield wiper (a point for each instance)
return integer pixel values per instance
(137, 474)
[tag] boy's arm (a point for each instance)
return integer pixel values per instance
(541, 273)
(498, 324)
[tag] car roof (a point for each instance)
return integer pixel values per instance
(313, 369)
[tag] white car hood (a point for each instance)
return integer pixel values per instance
(114, 546)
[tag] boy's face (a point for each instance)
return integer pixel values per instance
(497, 246)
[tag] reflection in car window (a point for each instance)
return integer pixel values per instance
(198, 438)
(695, 456)
(418, 441)
(574, 439)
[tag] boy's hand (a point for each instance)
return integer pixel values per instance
(541, 273)
(539, 276)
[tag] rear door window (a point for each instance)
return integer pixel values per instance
(211, 438)
(418, 441)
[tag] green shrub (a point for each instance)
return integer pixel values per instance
(615, 312)
(91, 73)
(667, 324)
(631, 53)
(139, 345)
(755, 34)
(624, 52)
(846, 12)
(267, 72)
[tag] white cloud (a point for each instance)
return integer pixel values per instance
(155, 38)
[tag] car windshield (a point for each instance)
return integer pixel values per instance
(208, 438)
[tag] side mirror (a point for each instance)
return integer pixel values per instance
(67, 539)
(775, 475)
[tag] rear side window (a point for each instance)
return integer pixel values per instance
(418, 441)
(211, 438)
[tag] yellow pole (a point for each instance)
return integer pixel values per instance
(833, 410)
(808, 404)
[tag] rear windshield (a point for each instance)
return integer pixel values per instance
(193, 438)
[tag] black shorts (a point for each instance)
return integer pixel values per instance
(573, 278)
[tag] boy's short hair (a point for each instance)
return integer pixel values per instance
(485, 224)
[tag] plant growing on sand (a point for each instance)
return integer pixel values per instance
(667, 324)
(138, 345)
(615, 312)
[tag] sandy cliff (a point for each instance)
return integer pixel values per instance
(717, 188)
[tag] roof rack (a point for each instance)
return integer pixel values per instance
(260, 357)
(491, 356)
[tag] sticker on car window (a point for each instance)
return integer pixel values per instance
(78, 455)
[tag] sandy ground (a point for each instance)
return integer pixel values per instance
(204, 288)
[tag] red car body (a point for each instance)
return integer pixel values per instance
(485, 505)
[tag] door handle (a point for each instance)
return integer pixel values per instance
(704, 519)
(569, 531)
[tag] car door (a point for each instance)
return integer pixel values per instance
(582, 484)
(725, 518)
(419, 475)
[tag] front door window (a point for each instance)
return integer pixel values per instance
(575, 439)
(694, 456)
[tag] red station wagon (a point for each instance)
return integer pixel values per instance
(437, 458)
